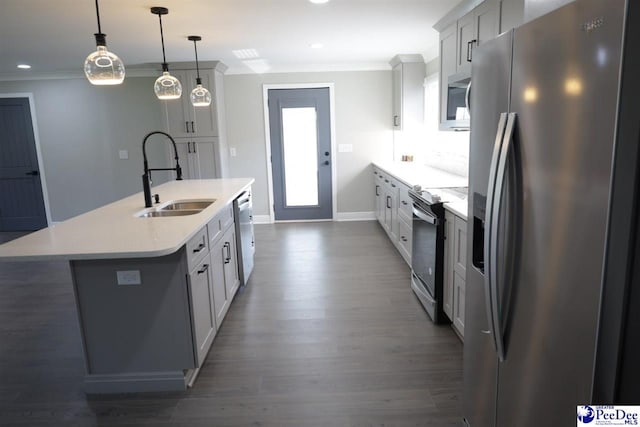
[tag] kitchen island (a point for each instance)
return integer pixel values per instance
(151, 292)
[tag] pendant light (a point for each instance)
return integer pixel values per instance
(166, 86)
(103, 67)
(200, 96)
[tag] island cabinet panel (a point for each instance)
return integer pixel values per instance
(203, 317)
(231, 276)
(134, 328)
(221, 298)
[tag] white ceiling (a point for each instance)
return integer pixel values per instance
(55, 36)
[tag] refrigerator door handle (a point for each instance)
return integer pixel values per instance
(507, 145)
(489, 238)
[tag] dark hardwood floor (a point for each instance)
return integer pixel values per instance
(327, 333)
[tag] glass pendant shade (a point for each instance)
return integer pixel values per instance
(167, 87)
(104, 68)
(200, 96)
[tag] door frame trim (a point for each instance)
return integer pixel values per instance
(267, 133)
(36, 137)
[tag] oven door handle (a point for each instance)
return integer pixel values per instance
(425, 216)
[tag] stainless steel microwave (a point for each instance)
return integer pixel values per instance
(457, 106)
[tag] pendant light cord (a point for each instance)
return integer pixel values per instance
(98, 16)
(195, 47)
(164, 58)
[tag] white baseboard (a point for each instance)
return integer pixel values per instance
(356, 216)
(342, 216)
(261, 219)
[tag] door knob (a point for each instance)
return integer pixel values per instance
(326, 162)
(326, 153)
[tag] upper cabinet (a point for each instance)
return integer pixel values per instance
(202, 130)
(408, 73)
(467, 27)
(185, 120)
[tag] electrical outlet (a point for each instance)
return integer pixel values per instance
(232, 151)
(123, 154)
(129, 277)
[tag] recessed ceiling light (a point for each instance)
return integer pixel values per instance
(319, 1)
(24, 66)
(316, 46)
(245, 53)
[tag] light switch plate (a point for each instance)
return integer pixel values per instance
(345, 148)
(123, 154)
(129, 277)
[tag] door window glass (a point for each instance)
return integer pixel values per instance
(300, 146)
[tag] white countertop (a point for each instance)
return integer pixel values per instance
(427, 177)
(113, 231)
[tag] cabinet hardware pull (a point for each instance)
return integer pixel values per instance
(204, 268)
(186, 125)
(396, 122)
(227, 245)
(375, 173)
(393, 185)
(470, 49)
(199, 248)
(404, 239)
(194, 147)
(404, 202)
(193, 127)
(377, 188)
(33, 173)
(188, 147)
(389, 202)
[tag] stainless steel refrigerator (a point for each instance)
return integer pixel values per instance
(544, 119)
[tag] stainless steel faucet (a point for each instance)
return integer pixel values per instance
(146, 177)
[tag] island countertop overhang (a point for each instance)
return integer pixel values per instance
(113, 231)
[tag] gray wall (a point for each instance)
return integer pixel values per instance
(362, 118)
(82, 128)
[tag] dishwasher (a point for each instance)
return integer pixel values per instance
(243, 214)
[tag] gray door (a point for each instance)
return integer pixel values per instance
(564, 94)
(301, 153)
(21, 200)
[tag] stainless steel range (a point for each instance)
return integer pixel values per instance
(427, 260)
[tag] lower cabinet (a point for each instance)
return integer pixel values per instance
(197, 157)
(393, 210)
(455, 261)
(203, 317)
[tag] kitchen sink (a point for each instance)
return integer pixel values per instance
(154, 214)
(180, 205)
(176, 208)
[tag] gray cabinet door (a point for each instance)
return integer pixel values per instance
(448, 59)
(466, 37)
(397, 96)
(178, 114)
(487, 21)
(202, 312)
(231, 277)
(185, 120)
(220, 298)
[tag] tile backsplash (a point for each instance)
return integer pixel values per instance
(447, 151)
